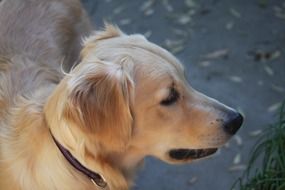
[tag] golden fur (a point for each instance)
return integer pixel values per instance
(106, 111)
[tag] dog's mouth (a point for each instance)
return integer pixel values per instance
(190, 154)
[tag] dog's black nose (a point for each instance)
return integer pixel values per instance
(232, 125)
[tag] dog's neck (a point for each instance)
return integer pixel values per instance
(117, 169)
(127, 162)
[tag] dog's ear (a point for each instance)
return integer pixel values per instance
(99, 102)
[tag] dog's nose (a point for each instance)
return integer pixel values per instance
(232, 125)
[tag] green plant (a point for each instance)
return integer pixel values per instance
(266, 167)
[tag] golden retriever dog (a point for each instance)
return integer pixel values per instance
(91, 127)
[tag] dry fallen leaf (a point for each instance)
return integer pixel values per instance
(222, 53)
(180, 32)
(277, 88)
(177, 49)
(274, 107)
(148, 33)
(192, 180)
(235, 13)
(236, 79)
(255, 133)
(172, 43)
(118, 10)
(268, 70)
(174, 46)
(148, 12)
(276, 54)
(238, 140)
(234, 168)
(205, 63)
(146, 5)
(125, 21)
(237, 159)
(230, 25)
(184, 19)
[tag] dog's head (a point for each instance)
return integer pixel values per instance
(131, 96)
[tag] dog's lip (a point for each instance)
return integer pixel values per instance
(191, 154)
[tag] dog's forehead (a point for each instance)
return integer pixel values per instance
(149, 60)
(143, 52)
(155, 59)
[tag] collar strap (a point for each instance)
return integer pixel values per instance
(93, 176)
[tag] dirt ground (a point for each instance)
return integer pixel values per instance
(233, 50)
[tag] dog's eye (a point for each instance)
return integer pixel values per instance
(171, 99)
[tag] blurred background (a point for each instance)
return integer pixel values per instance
(233, 50)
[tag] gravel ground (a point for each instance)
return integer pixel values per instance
(233, 50)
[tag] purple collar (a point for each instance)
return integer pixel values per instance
(93, 176)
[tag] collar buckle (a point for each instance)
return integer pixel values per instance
(99, 183)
